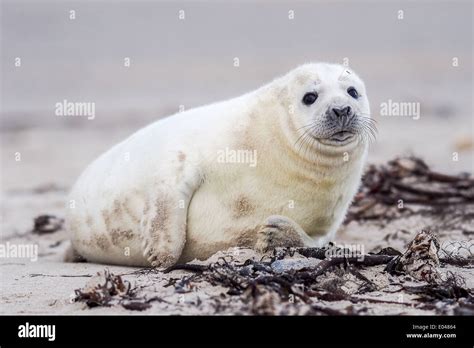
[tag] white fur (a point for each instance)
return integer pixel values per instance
(163, 195)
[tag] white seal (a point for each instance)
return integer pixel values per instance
(278, 166)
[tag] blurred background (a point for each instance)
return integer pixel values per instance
(405, 51)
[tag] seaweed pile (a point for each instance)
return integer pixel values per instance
(405, 186)
(288, 282)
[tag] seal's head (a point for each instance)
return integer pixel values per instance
(328, 105)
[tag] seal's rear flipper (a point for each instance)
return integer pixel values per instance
(72, 255)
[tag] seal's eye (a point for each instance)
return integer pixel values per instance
(353, 92)
(310, 98)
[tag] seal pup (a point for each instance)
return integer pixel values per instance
(278, 166)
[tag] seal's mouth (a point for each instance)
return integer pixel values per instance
(341, 136)
(338, 140)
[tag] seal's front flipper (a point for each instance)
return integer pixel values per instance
(281, 231)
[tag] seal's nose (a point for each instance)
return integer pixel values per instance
(342, 112)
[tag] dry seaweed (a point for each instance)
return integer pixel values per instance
(453, 287)
(391, 191)
(97, 293)
(107, 289)
(261, 286)
(273, 285)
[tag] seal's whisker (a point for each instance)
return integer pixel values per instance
(366, 117)
(301, 136)
(308, 125)
(370, 136)
(367, 130)
(368, 124)
(305, 135)
(302, 139)
(309, 140)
